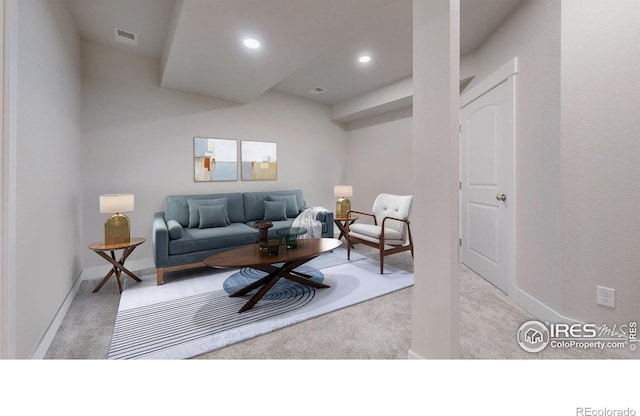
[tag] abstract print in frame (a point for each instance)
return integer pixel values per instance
(259, 161)
(215, 159)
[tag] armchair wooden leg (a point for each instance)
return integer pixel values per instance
(381, 258)
(348, 248)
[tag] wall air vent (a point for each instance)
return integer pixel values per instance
(124, 36)
(316, 91)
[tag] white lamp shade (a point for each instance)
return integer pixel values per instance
(116, 203)
(343, 191)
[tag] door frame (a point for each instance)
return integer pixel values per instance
(3, 274)
(8, 141)
(509, 69)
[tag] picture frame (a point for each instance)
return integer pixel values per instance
(215, 159)
(259, 160)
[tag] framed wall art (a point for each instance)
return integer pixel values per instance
(215, 159)
(259, 161)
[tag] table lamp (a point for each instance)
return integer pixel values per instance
(343, 204)
(117, 227)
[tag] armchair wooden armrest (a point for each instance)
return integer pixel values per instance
(395, 219)
(368, 214)
(406, 221)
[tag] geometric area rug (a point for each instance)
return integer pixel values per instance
(194, 314)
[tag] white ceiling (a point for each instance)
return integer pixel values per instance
(306, 43)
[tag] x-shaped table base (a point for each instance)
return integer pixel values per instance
(117, 269)
(274, 274)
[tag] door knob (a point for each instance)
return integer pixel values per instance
(501, 197)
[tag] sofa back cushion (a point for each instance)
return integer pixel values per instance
(212, 216)
(275, 210)
(254, 202)
(176, 207)
(194, 209)
(291, 204)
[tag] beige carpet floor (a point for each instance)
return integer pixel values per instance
(377, 329)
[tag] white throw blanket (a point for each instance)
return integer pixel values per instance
(307, 220)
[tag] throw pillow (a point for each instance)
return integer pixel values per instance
(175, 229)
(213, 216)
(275, 210)
(292, 203)
(194, 213)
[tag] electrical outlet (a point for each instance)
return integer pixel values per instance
(606, 296)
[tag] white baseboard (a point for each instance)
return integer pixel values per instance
(47, 339)
(136, 266)
(133, 265)
(411, 355)
(539, 310)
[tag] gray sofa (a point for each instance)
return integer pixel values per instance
(182, 238)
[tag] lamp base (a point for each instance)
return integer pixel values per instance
(117, 229)
(342, 207)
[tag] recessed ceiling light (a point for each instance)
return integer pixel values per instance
(251, 43)
(364, 59)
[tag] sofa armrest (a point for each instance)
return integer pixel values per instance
(160, 238)
(326, 217)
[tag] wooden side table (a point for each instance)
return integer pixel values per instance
(341, 223)
(118, 265)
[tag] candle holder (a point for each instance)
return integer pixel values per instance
(263, 235)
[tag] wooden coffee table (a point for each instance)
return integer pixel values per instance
(250, 256)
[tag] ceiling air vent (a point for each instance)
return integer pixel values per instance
(316, 91)
(123, 36)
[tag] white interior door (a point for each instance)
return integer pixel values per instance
(487, 185)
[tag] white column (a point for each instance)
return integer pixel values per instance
(434, 218)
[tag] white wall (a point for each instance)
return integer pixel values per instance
(138, 138)
(48, 205)
(600, 151)
(379, 157)
(532, 34)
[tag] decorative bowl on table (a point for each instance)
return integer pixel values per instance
(291, 235)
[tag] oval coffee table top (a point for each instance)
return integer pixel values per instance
(250, 255)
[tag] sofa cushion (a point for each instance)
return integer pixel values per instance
(177, 208)
(275, 210)
(195, 239)
(254, 202)
(213, 216)
(194, 209)
(291, 201)
(175, 229)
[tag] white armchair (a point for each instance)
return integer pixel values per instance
(390, 228)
